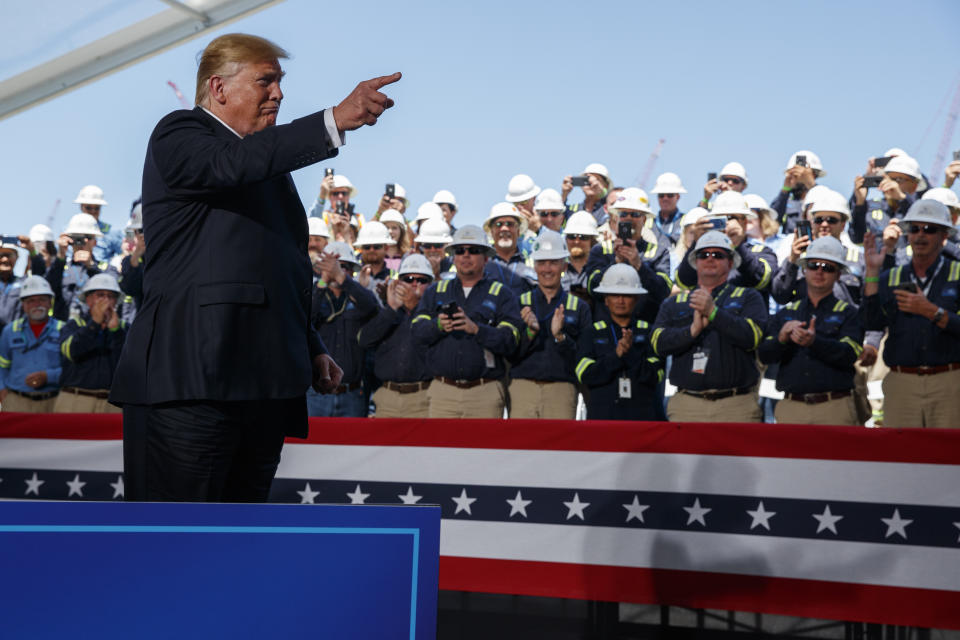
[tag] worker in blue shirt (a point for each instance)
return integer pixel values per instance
(339, 309)
(90, 345)
(615, 360)
(543, 382)
(918, 305)
(30, 352)
(581, 236)
(637, 247)
(900, 181)
(10, 308)
(817, 341)
(74, 265)
(598, 185)
(712, 333)
(110, 239)
(399, 363)
(666, 224)
(468, 326)
(799, 177)
(756, 263)
(509, 264)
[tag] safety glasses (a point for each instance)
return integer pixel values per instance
(551, 214)
(509, 224)
(432, 245)
(827, 219)
(926, 228)
(715, 255)
(826, 267)
(578, 236)
(416, 279)
(375, 247)
(631, 214)
(731, 180)
(474, 251)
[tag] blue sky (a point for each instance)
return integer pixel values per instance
(497, 88)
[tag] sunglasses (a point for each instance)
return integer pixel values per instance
(668, 195)
(731, 179)
(509, 224)
(830, 220)
(81, 238)
(375, 247)
(551, 214)
(349, 267)
(826, 267)
(631, 214)
(578, 236)
(716, 255)
(926, 228)
(474, 251)
(432, 245)
(416, 279)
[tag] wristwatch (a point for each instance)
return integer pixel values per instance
(938, 315)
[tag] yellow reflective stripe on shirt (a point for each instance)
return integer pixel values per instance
(422, 316)
(737, 292)
(599, 325)
(513, 329)
(666, 279)
(494, 289)
(81, 322)
(767, 274)
(4, 363)
(442, 287)
(526, 298)
(607, 246)
(573, 301)
(954, 272)
(757, 334)
(65, 348)
(682, 297)
(894, 278)
(582, 366)
(654, 338)
(651, 250)
(857, 349)
(840, 306)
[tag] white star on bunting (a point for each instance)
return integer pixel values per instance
(827, 521)
(307, 495)
(957, 525)
(518, 505)
(118, 487)
(463, 502)
(696, 513)
(635, 509)
(33, 485)
(409, 498)
(760, 517)
(76, 486)
(575, 507)
(358, 497)
(896, 525)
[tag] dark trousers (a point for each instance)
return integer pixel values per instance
(205, 451)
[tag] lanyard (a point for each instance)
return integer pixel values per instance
(926, 283)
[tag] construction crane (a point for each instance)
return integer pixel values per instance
(53, 213)
(648, 168)
(938, 162)
(179, 94)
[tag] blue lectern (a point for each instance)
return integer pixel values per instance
(158, 570)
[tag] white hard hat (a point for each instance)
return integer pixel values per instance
(904, 164)
(521, 188)
(445, 197)
(620, 279)
(549, 200)
(400, 193)
(40, 233)
(317, 227)
(757, 202)
(928, 212)
(813, 161)
(392, 215)
(826, 248)
(429, 210)
(8, 246)
(343, 182)
(504, 210)
(90, 194)
(374, 232)
(633, 199)
(668, 183)
(581, 223)
(734, 169)
(894, 151)
(600, 170)
(434, 231)
(731, 203)
(415, 263)
(714, 240)
(470, 235)
(692, 216)
(831, 201)
(940, 194)
(35, 286)
(343, 252)
(136, 217)
(102, 282)
(549, 245)
(813, 193)
(83, 224)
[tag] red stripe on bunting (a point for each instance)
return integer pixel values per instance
(936, 446)
(784, 596)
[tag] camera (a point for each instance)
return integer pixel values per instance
(580, 181)
(801, 161)
(711, 176)
(956, 154)
(391, 190)
(625, 231)
(449, 308)
(10, 239)
(804, 228)
(328, 172)
(341, 208)
(719, 224)
(880, 163)
(872, 181)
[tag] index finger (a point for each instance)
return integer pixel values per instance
(383, 81)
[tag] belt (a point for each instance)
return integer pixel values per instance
(927, 371)
(817, 398)
(36, 396)
(465, 384)
(346, 387)
(103, 395)
(718, 395)
(407, 387)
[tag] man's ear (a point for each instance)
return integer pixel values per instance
(215, 89)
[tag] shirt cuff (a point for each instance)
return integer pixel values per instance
(337, 138)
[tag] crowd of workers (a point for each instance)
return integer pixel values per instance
(816, 308)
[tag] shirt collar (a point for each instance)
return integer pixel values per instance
(229, 128)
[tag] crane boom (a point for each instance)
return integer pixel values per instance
(648, 168)
(938, 162)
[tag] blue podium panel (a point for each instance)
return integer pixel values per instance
(163, 570)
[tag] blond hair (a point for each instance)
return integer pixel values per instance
(225, 54)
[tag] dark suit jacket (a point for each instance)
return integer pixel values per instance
(227, 279)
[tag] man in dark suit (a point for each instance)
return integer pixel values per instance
(214, 372)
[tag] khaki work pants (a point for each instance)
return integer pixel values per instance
(687, 408)
(482, 401)
(551, 400)
(393, 404)
(910, 400)
(22, 404)
(68, 402)
(841, 411)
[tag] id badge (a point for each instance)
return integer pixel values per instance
(626, 390)
(488, 359)
(700, 359)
